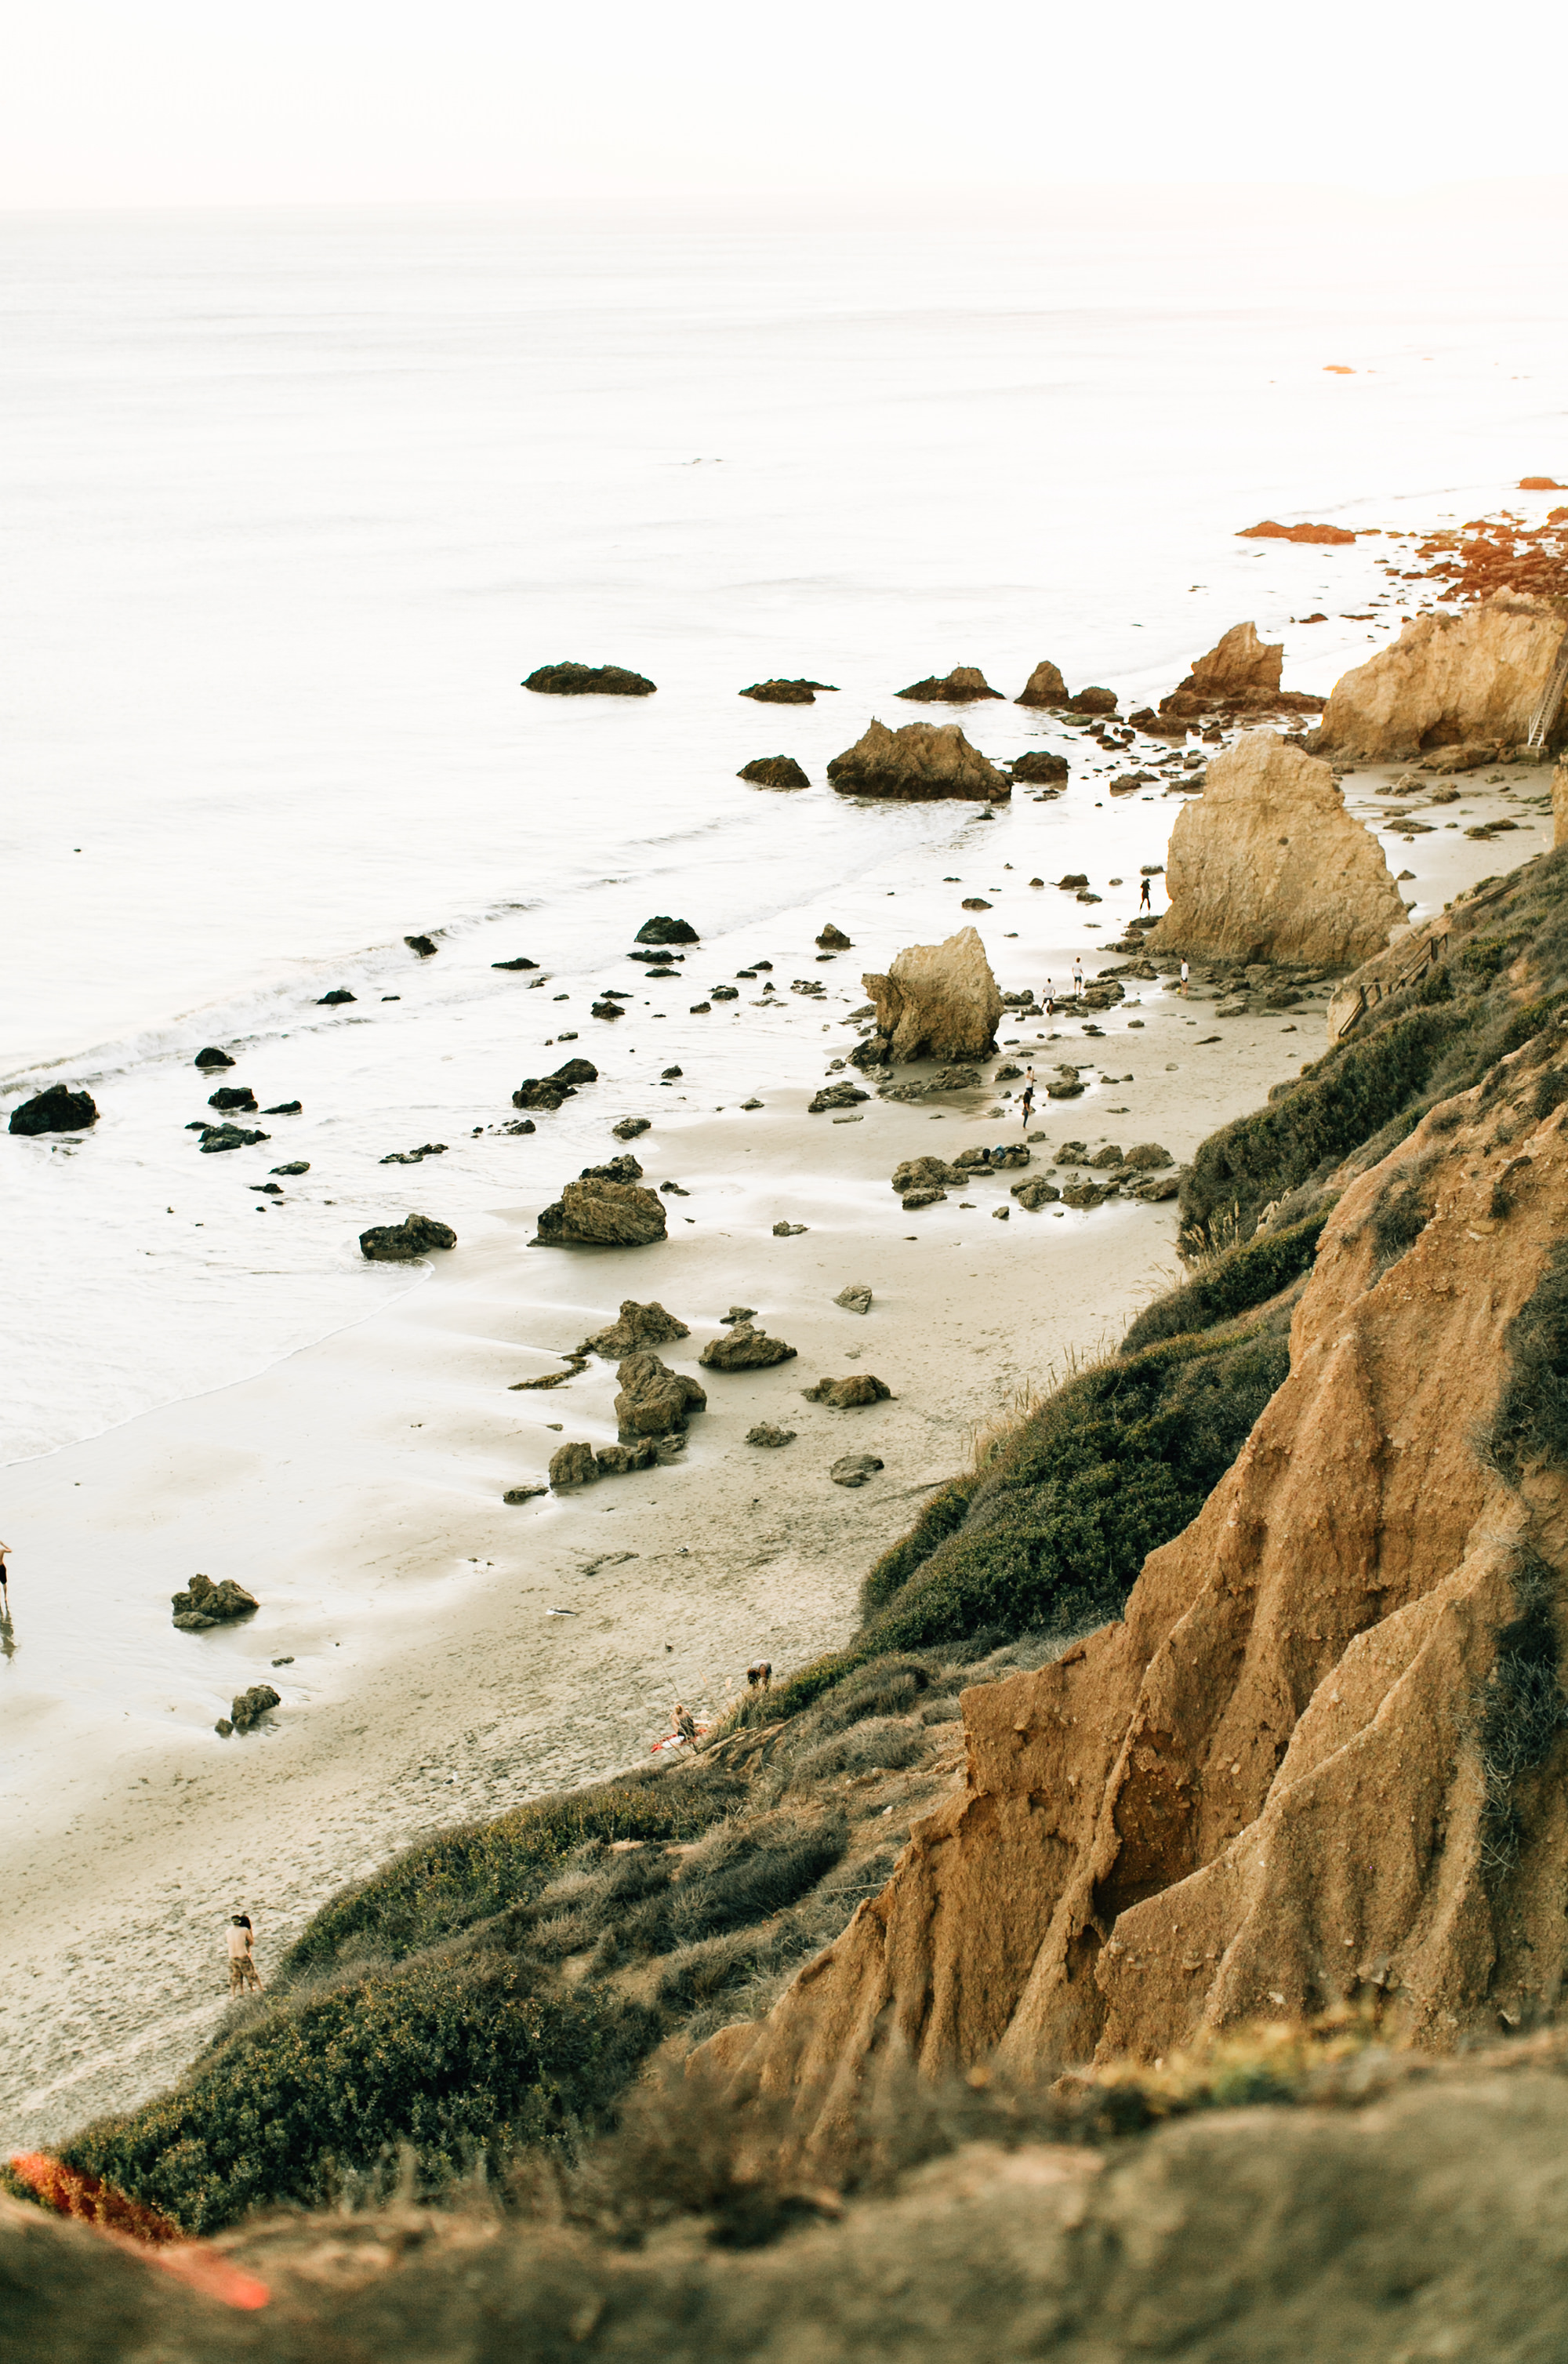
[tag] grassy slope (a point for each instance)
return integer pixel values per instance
(427, 2005)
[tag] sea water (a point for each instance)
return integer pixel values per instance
(294, 502)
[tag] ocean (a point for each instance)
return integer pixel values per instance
(296, 500)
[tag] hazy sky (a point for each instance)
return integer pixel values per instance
(104, 102)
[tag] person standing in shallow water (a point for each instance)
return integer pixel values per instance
(1144, 902)
(242, 1972)
(5, 1584)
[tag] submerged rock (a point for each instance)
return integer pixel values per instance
(204, 1604)
(1271, 866)
(939, 1001)
(549, 1091)
(417, 1235)
(568, 680)
(422, 945)
(637, 1326)
(628, 1129)
(1447, 681)
(774, 772)
(786, 693)
(662, 930)
(285, 1108)
(519, 964)
(57, 1110)
(921, 762)
(743, 1348)
(339, 993)
(653, 1400)
(232, 1095)
(596, 1213)
(213, 1057)
(216, 1138)
(960, 687)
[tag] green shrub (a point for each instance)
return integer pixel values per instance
(447, 2057)
(1531, 1422)
(943, 1516)
(1243, 1277)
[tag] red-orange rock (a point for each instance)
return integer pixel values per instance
(1270, 531)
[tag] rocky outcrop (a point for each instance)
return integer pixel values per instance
(662, 930)
(598, 1214)
(744, 1348)
(572, 1465)
(1321, 1754)
(1240, 674)
(786, 693)
(1269, 865)
(1447, 680)
(204, 1604)
(1270, 531)
(585, 681)
(848, 1394)
(774, 772)
(638, 1325)
(653, 1400)
(926, 1174)
(58, 1109)
(250, 1707)
(922, 762)
(939, 1001)
(1044, 686)
(960, 687)
(417, 1235)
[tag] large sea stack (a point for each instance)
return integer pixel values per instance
(920, 762)
(937, 1001)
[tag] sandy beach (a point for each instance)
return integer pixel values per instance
(440, 1654)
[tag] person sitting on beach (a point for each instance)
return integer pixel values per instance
(242, 1970)
(760, 1678)
(684, 1724)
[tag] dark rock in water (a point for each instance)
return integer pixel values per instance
(658, 958)
(58, 1109)
(232, 1095)
(414, 1156)
(572, 1465)
(922, 762)
(960, 687)
(744, 1349)
(854, 1468)
(417, 1235)
(212, 1058)
(285, 1107)
(514, 963)
(766, 1433)
(204, 1603)
(216, 1137)
(674, 1191)
(422, 945)
(1073, 879)
(574, 1363)
(774, 772)
(296, 1165)
(1035, 1193)
(603, 1214)
(618, 1169)
(615, 1460)
(668, 1074)
(269, 1189)
(653, 1400)
(548, 1091)
(251, 1706)
(1040, 765)
(874, 1052)
(1094, 700)
(518, 1124)
(627, 1130)
(844, 1395)
(835, 1096)
(606, 1009)
(834, 940)
(339, 993)
(637, 1326)
(662, 930)
(585, 681)
(1044, 686)
(576, 1071)
(523, 1493)
(786, 693)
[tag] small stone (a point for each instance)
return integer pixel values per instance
(737, 1313)
(912, 1199)
(1000, 1214)
(218, 1137)
(774, 772)
(670, 1074)
(615, 1460)
(517, 964)
(289, 1107)
(204, 1603)
(523, 1493)
(854, 1468)
(296, 1165)
(662, 930)
(606, 1009)
(833, 939)
(788, 1231)
(251, 1706)
(637, 1326)
(571, 680)
(855, 1298)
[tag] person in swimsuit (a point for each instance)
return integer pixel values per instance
(684, 1722)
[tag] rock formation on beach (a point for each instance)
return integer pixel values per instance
(400, 1243)
(848, 1394)
(549, 1091)
(833, 939)
(1269, 865)
(1240, 674)
(774, 772)
(596, 1213)
(1044, 686)
(1039, 767)
(745, 1348)
(1270, 531)
(662, 930)
(937, 1001)
(582, 681)
(960, 687)
(56, 1110)
(1320, 1754)
(1447, 681)
(637, 1326)
(920, 762)
(787, 692)
(204, 1604)
(653, 1400)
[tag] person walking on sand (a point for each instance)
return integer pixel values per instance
(1144, 902)
(242, 1970)
(1077, 980)
(1049, 999)
(1186, 974)
(1027, 1102)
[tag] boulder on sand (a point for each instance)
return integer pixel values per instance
(596, 1213)
(1447, 680)
(204, 1604)
(766, 1433)
(774, 772)
(855, 1298)
(1270, 865)
(400, 1243)
(960, 687)
(653, 1400)
(1240, 674)
(250, 1706)
(1044, 686)
(922, 762)
(926, 1174)
(58, 1109)
(854, 1468)
(638, 1325)
(845, 1395)
(743, 1348)
(582, 681)
(572, 1465)
(941, 1001)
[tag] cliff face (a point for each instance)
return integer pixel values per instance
(1448, 680)
(1317, 1754)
